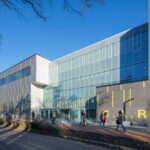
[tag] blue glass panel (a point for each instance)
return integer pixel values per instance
(134, 56)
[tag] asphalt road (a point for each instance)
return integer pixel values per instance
(12, 139)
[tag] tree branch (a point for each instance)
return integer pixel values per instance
(11, 5)
(38, 13)
(69, 8)
(37, 6)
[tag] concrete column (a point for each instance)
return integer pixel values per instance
(48, 114)
(79, 114)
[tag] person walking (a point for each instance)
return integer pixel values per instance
(101, 117)
(119, 121)
(105, 118)
(84, 118)
(53, 117)
(83, 121)
(51, 114)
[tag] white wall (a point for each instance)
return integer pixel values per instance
(42, 70)
(41, 80)
(36, 98)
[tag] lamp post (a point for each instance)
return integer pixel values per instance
(124, 107)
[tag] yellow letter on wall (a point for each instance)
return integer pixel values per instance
(142, 112)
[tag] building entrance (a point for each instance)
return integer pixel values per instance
(65, 114)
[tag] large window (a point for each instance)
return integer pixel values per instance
(15, 76)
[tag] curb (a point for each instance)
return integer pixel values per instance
(112, 146)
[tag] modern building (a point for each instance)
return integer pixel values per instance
(21, 86)
(131, 94)
(97, 78)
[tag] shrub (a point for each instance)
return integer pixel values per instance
(25, 122)
(15, 123)
(8, 119)
(45, 128)
(36, 125)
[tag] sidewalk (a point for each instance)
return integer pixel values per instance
(139, 133)
(135, 127)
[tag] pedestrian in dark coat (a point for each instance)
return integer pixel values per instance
(119, 121)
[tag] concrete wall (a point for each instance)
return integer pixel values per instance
(41, 81)
(15, 96)
(42, 70)
(25, 94)
(36, 98)
(111, 98)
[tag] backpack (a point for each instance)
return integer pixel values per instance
(118, 121)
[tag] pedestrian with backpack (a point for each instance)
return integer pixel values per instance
(119, 121)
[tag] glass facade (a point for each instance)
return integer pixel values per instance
(73, 79)
(134, 55)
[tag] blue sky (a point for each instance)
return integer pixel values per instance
(65, 32)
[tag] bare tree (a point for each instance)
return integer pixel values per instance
(38, 6)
